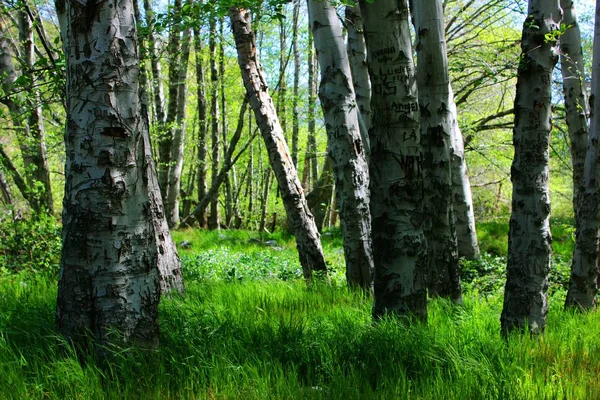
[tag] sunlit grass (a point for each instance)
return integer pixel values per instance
(260, 336)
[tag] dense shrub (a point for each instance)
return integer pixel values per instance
(32, 245)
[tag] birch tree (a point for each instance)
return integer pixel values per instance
(300, 221)
(529, 241)
(357, 54)
(109, 278)
(399, 247)
(345, 144)
(436, 138)
(583, 284)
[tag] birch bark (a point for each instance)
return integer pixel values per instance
(178, 135)
(583, 284)
(109, 278)
(300, 220)
(436, 138)
(399, 247)
(529, 241)
(357, 54)
(345, 143)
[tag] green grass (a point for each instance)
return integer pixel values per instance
(258, 332)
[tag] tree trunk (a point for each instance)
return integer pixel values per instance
(576, 102)
(178, 134)
(157, 87)
(202, 129)
(311, 152)
(319, 198)
(264, 200)
(229, 206)
(300, 220)
(295, 111)
(228, 162)
(109, 278)
(213, 219)
(399, 246)
(436, 139)
(583, 284)
(7, 197)
(345, 143)
(34, 145)
(529, 238)
(466, 234)
(26, 120)
(165, 136)
(357, 53)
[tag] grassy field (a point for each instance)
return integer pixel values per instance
(249, 328)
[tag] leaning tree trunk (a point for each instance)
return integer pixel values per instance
(399, 246)
(436, 139)
(529, 238)
(300, 220)
(583, 284)
(109, 278)
(345, 143)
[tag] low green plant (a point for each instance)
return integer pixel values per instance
(32, 245)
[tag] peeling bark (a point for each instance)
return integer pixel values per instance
(109, 277)
(529, 238)
(300, 221)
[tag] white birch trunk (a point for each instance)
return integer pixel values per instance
(202, 129)
(529, 241)
(436, 138)
(399, 247)
(176, 165)
(357, 54)
(300, 221)
(466, 233)
(109, 278)
(583, 284)
(576, 103)
(345, 143)
(157, 86)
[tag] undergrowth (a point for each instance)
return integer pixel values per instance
(249, 328)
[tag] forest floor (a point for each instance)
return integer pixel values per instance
(249, 328)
